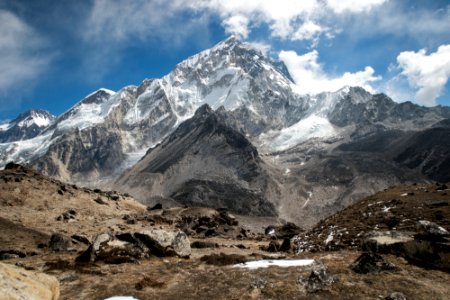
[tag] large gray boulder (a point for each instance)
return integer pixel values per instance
(369, 262)
(107, 248)
(165, 243)
(430, 231)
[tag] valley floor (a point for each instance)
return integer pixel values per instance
(175, 278)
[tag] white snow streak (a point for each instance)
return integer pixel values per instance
(283, 263)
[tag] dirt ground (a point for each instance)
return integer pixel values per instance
(32, 207)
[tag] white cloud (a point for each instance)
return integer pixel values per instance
(309, 31)
(310, 78)
(20, 65)
(237, 24)
(428, 74)
(284, 17)
(264, 48)
(354, 6)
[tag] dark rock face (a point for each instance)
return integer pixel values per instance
(204, 162)
(429, 152)
(216, 195)
(370, 262)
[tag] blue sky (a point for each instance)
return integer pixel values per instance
(53, 53)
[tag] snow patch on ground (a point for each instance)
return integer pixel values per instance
(283, 263)
(122, 298)
(329, 238)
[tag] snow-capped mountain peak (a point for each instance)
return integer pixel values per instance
(27, 125)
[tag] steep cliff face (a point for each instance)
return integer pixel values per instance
(204, 162)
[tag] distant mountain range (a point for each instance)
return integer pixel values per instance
(226, 128)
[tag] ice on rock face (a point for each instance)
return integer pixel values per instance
(90, 111)
(313, 126)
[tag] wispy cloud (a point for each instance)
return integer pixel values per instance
(310, 78)
(22, 58)
(112, 26)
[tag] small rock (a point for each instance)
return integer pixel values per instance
(59, 242)
(203, 244)
(369, 262)
(395, 296)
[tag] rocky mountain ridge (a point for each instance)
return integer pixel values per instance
(319, 153)
(26, 126)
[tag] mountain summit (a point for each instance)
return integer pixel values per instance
(27, 125)
(226, 128)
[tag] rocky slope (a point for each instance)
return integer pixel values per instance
(397, 208)
(204, 162)
(54, 227)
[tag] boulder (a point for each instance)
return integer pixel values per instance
(90, 254)
(427, 230)
(427, 253)
(116, 252)
(113, 250)
(369, 262)
(318, 280)
(286, 231)
(165, 243)
(59, 242)
(17, 283)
